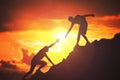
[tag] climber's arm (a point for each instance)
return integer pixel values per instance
(86, 15)
(69, 29)
(49, 59)
(53, 43)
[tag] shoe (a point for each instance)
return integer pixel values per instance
(88, 43)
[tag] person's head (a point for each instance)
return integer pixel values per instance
(70, 18)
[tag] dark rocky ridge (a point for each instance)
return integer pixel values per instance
(99, 60)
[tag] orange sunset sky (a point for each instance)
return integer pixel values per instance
(33, 24)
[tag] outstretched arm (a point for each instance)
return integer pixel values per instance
(53, 43)
(49, 59)
(69, 29)
(89, 15)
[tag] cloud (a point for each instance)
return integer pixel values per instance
(7, 64)
(11, 10)
(99, 7)
(112, 17)
(110, 21)
(10, 71)
(26, 58)
(17, 14)
(31, 43)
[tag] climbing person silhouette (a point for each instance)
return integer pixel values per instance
(81, 20)
(37, 59)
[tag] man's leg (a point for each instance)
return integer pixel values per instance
(42, 64)
(78, 37)
(85, 38)
(30, 71)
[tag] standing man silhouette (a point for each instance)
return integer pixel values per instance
(37, 59)
(81, 20)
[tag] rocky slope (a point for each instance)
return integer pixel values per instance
(99, 60)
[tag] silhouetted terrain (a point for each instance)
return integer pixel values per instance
(99, 60)
(9, 71)
(8, 74)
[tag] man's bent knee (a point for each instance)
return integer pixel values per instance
(43, 64)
